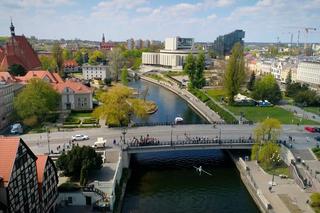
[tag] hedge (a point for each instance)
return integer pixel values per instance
(226, 116)
(199, 94)
(90, 121)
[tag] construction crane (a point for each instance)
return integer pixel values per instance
(306, 30)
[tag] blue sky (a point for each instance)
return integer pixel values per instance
(263, 20)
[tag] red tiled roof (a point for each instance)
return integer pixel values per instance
(7, 77)
(8, 151)
(19, 51)
(41, 165)
(42, 74)
(77, 87)
(70, 63)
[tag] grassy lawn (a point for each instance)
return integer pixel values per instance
(315, 110)
(156, 77)
(258, 114)
(283, 169)
(81, 114)
(316, 151)
(175, 73)
(216, 94)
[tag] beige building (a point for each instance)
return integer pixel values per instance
(173, 56)
(309, 72)
(100, 71)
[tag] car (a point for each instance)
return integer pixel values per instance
(80, 137)
(317, 129)
(317, 138)
(16, 129)
(310, 129)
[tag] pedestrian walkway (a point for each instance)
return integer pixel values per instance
(301, 113)
(285, 195)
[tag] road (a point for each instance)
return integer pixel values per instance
(38, 142)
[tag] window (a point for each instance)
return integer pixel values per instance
(69, 199)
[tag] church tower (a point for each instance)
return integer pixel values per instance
(103, 39)
(12, 29)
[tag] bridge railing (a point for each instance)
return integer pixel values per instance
(172, 123)
(190, 142)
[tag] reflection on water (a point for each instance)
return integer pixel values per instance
(167, 182)
(169, 105)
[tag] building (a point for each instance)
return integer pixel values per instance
(130, 44)
(109, 45)
(100, 71)
(8, 89)
(173, 56)
(309, 73)
(146, 44)
(70, 66)
(47, 183)
(20, 173)
(138, 44)
(223, 44)
(18, 51)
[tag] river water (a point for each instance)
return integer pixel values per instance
(169, 105)
(166, 182)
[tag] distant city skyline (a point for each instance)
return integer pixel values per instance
(119, 20)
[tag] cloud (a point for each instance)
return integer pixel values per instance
(212, 16)
(33, 3)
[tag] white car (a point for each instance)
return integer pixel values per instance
(80, 137)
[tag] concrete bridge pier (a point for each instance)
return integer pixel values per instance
(126, 156)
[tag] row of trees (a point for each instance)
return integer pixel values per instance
(194, 67)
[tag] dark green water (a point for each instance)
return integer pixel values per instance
(167, 182)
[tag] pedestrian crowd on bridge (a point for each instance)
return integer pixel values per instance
(144, 141)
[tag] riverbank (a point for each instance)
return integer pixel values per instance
(199, 106)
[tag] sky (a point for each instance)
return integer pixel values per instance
(204, 20)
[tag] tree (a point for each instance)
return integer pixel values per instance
(267, 88)
(96, 57)
(315, 200)
(58, 57)
(36, 100)
(17, 70)
(118, 106)
(190, 68)
(268, 130)
(79, 161)
(294, 88)
(235, 72)
(48, 63)
(251, 82)
(307, 98)
(116, 60)
(124, 76)
(268, 154)
(200, 65)
(78, 56)
(289, 78)
(66, 54)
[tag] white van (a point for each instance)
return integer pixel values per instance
(100, 143)
(16, 129)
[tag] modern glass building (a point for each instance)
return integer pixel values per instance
(223, 44)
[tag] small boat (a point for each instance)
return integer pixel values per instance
(178, 120)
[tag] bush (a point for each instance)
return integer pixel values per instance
(199, 94)
(316, 151)
(72, 120)
(90, 121)
(315, 200)
(226, 116)
(69, 187)
(31, 121)
(307, 97)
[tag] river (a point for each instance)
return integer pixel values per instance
(166, 182)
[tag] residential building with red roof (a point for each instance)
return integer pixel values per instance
(26, 181)
(18, 51)
(70, 66)
(47, 183)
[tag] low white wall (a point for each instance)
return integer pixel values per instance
(78, 198)
(286, 155)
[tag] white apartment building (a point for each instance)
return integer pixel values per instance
(100, 71)
(173, 56)
(6, 102)
(309, 72)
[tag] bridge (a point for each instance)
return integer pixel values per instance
(195, 144)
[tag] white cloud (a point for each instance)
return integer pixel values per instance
(212, 17)
(144, 10)
(33, 3)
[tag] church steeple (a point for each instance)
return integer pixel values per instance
(103, 39)
(12, 29)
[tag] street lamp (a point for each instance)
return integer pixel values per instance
(124, 132)
(275, 158)
(48, 139)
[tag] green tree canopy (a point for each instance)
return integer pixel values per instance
(37, 99)
(48, 63)
(116, 61)
(124, 76)
(58, 57)
(79, 161)
(268, 130)
(315, 200)
(194, 67)
(96, 57)
(78, 56)
(251, 82)
(190, 68)
(235, 72)
(67, 54)
(294, 88)
(267, 88)
(267, 154)
(17, 70)
(307, 98)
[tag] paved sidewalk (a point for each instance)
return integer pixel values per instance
(286, 196)
(301, 113)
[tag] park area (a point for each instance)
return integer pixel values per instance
(258, 114)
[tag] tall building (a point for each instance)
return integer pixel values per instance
(18, 51)
(109, 45)
(223, 44)
(309, 73)
(173, 56)
(20, 189)
(130, 44)
(138, 44)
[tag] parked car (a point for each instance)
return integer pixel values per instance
(16, 129)
(310, 129)
(317, 129)
(317, 138)
(80, 137)
(100, 143)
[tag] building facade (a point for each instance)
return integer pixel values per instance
(19, 179)
(130, 44)
(6, 103)
(100, 71)
(173, 56)
(223, 44)
(309, 72)
(70, 66)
